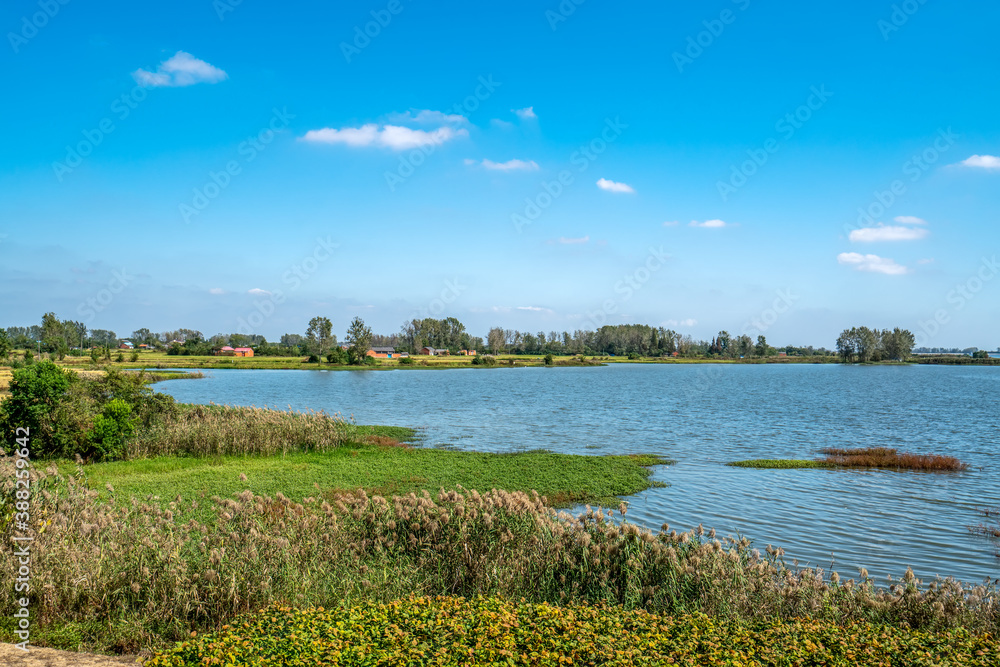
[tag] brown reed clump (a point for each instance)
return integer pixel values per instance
(139, 573)
(886, 457)
(212, 430)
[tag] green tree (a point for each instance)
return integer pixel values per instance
(359, 339)
(35, 393)
(112, 429)
(762, 349)
(5, 345)
(318, 335)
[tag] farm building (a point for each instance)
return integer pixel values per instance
(432, 352)
(382, 352)
(243, 352)
(225, 351)
(126, 345)
(467, 353)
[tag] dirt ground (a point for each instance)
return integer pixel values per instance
(12, 656)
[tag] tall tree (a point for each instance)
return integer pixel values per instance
(497, 340)
(359, 338)
(318, 335)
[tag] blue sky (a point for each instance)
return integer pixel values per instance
(757, 167)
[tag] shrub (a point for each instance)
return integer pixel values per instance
(484, 360)
(36, 391)
(549, 360)
(406, 361)
(134, 357)
(453, 631)
(337, 355)
(112, 429)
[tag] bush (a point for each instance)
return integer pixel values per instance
(449, 631)
(112, 429)
(406, 361)
(484, 360)
(36, 391)
(549, 360)
(337, 355)
(134, 357)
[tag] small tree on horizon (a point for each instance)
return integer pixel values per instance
(359, 338)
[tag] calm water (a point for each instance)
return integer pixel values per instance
(703, 416)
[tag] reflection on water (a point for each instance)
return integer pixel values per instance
(703, 416)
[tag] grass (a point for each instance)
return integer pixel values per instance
(383, 470)
(452, 631)
(777, 464)
(863, 457)
(123, 575)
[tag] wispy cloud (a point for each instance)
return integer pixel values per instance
(427, 117)
(525, 113)
(887, 233)
(256, 291)
(394, 137)
(509, 165)
(612, 186)
(534, 309)
(671, 223)
(982, 162)
(710, 224)
(569, 241)
(909, 220)
(872, 263)
(182, 69)
(216, 291)
(689, 322)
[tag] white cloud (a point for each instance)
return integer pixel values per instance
(501, 124)
(394, 137)
(710, 224)
(886, 233)
(182, 69)
(690, 322)
(872, 263)
(982, 162)
(256, 291)
(612, 186)
(568, 241)
(428, 117)
(671, 223)
(525, 113)
(216, 290)
(509, 165)
(926, 260)
(909, 220)
(534, 309)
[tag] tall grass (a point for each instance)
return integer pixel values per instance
(127, 574)
(885, 457)
(212, 430)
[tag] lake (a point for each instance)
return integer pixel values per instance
(704, 415)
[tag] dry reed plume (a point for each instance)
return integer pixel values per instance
(142, 572)
(885, 457)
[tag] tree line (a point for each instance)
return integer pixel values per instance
(318, 342)
(864, 345)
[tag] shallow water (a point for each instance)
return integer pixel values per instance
(703, 416)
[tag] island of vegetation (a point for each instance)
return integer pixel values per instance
(886, 458)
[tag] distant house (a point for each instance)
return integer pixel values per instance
(126, 346)
(467, 353)
(143, 346)
(224, 352)
(433, 352)
(243, 352)
(382, 352)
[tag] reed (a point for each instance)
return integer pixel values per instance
(886, 457)
(125, 574)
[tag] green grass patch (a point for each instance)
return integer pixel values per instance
(778, 464)
(448, 631)
(565, 479)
